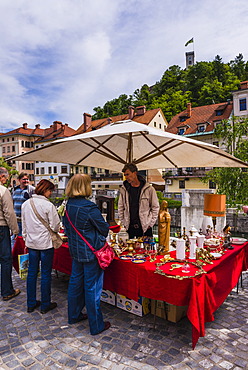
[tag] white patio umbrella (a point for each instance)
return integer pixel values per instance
(127, 141)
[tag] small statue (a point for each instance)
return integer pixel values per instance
(164, 221)
(227, 237)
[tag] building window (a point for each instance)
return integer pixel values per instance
(3, 140)
(155, 124)
(23, 166)
(28, 166)
(181, 131)
(201, 128)
(86, 170)
(49, 169)
(64, 169)
(242, 104)
(13, 138)
(13, 148)
(212, 185)
(8, 149)
(160, 126)
(219, 112)
(3, 149)
(22, 144)
(8, 139)
(42, 170)
(37, 171)
(181, 184)
(182, 119)
(55, 169)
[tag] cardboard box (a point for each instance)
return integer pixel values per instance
(140, 308)
(108, 297)
(168, 311)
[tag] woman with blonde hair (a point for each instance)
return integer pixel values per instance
(86, 280)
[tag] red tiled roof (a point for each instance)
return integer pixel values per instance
(25, 131)
(56, 131)
(203, 114)
(144, 118)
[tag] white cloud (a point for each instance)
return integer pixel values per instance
(61, 58)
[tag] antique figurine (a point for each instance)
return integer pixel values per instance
(164, 221)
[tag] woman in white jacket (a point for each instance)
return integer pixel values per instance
(38, 240)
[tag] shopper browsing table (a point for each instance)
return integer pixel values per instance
(40, 248)
(86, 280)
(7, 222)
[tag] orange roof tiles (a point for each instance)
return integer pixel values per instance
(98, 123)
(204, 114)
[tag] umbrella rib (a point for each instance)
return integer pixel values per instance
(108, 150)
(97, 150)
(159, 152)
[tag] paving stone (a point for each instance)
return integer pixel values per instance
(48, 342)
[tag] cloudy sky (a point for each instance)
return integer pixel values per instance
(61, 58)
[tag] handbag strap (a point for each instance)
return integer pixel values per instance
(81, 236)
(39, 216)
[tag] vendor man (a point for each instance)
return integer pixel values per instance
(138, 204)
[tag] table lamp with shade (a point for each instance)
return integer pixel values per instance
(214, 206)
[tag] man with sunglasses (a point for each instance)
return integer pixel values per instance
(20, 194)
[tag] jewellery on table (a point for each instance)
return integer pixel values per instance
(160, 272)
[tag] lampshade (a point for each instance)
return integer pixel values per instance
(215, 205)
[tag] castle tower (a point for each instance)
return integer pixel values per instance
(190, 58)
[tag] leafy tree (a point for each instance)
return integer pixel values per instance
(12, 171)
(232, 181)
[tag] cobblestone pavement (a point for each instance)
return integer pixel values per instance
(35, 341)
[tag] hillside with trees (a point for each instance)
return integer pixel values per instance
(201, 84)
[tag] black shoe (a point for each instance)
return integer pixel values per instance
(49, 308)
(31, 309)
(83, 317)
(106, 327)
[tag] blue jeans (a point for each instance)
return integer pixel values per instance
(46, 258)
(6, 262)
(85, 288)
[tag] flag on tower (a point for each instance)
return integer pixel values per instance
(189, 42)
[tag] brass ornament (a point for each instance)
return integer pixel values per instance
(178, 277)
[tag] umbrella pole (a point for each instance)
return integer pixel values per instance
(129, 157)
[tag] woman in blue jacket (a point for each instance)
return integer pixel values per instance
(86, 280)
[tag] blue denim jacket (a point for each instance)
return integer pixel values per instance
(88, 220)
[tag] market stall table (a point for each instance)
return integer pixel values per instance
(203, 294)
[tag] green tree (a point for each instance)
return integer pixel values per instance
(232, 181)
(12, 171)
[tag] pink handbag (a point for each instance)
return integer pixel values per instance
(104, 256)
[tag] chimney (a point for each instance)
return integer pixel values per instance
(141, 110)
(87, 121)
(37, 126)
(189, 109)
(25, 126)
(56, 125)
(244, 85)
(130, 112)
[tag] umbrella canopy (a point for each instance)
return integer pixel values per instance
(127, 141)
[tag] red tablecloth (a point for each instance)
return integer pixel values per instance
(203, 294)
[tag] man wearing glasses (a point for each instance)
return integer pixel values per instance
(20, 194)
